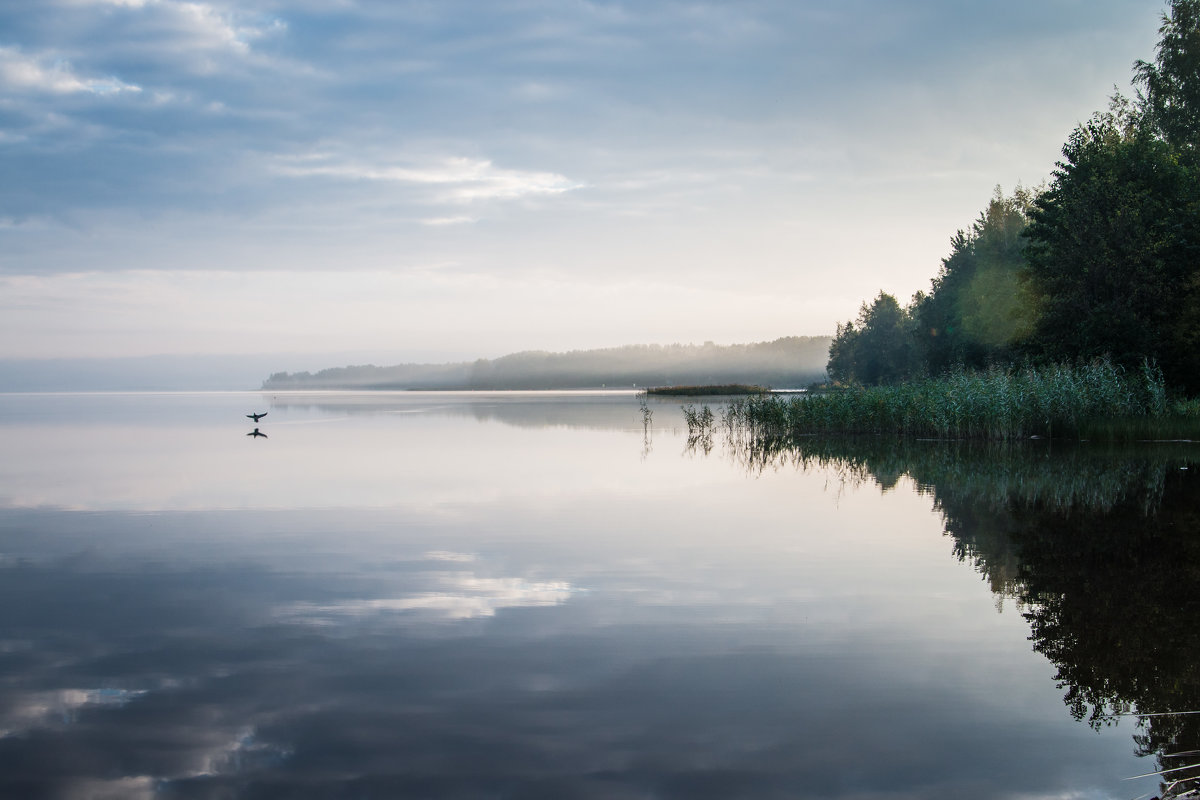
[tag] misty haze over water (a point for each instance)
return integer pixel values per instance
(788, 362)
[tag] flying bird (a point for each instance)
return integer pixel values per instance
(257, 417)
(257, 432)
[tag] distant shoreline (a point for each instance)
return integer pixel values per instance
(790, 361)
(724, 389)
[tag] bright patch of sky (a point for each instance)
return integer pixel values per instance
(473, 178)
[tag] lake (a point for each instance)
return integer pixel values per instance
(537, 595)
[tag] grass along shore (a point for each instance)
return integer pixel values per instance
(1095, 400)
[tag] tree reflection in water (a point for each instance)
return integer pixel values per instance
(1098, 545)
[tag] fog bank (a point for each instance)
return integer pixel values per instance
(789, 362)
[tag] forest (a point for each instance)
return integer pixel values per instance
(1102, 262)
(789, 362)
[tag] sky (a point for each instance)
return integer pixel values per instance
(410, 180)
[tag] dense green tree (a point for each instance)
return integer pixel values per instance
(1114, 245)
(1104, 262)
(1113, 252)
(841, 367)
(978, 308)
(879, 349)
(1169, 95)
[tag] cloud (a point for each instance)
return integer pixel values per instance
(459, 179)
(203, 24)
(118, 3)
(22, 72)
(221, 28)
(825, 153)
(436, 222)
(450, 555)
(538, 91)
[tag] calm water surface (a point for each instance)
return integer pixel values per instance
(536, 596)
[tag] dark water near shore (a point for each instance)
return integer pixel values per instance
(534, 595)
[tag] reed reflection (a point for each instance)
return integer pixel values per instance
(1096, 545)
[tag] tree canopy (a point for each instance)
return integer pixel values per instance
(1112, 252)
(880, 349)
(1169, 93)
(1103, 261)
(978, 310)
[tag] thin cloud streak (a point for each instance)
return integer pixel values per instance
(443, 221)
(466, 179)
(22, 72)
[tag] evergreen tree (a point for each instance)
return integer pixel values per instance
(880, 349)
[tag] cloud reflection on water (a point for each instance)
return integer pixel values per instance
(459, 597)
(57, 707)
(548, 694)
(574, 623)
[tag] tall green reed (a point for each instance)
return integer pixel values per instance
(995, 404)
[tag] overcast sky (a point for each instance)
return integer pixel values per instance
(445, 179)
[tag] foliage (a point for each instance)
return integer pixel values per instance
(880, 349)
(998, 404)
(1169, 98)
(1113, 253)
(979, 309)
(1114, 244)
(1105, 262)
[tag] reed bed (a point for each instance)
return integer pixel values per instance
(996, 404)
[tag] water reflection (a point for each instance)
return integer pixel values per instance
(336, 449)
(590, 410)
(438, 593)
(1096, 544)
(443, 602)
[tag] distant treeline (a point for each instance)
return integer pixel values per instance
(790, 362)
(1104, 262)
